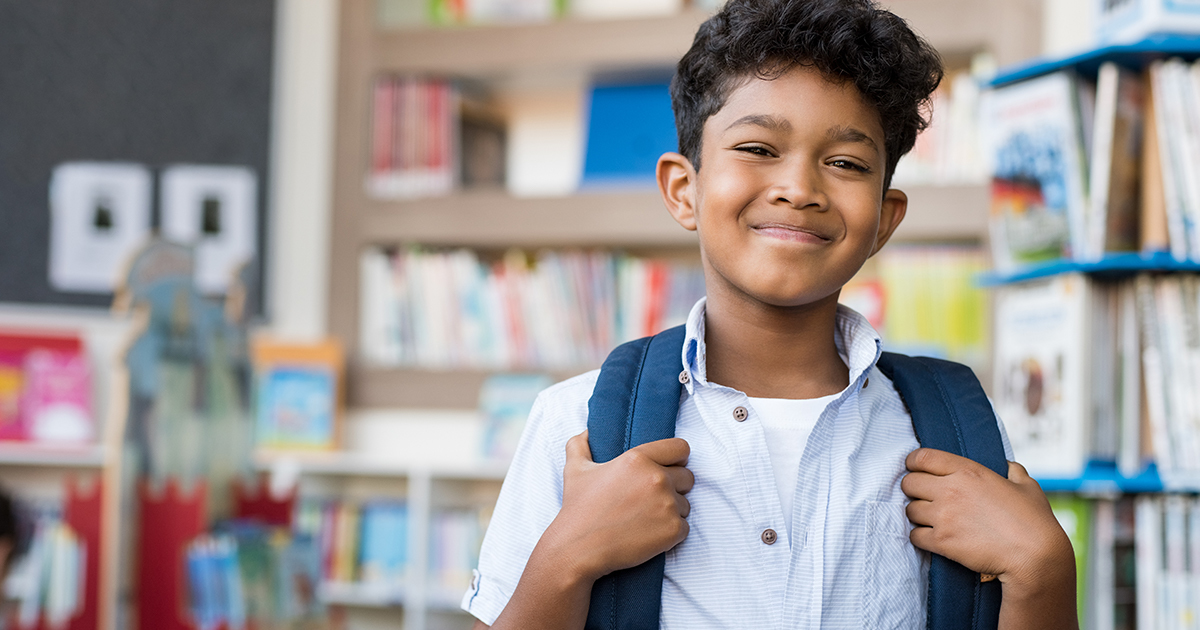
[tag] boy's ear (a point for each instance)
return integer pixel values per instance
(676, 179)
(891, 213)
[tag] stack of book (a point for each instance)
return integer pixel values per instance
(454, 549)
(48, 580)
(932, 305)
(1136, 559)
(365, 544)
(1101, 371)
(555, 310)
(949, 151)
(247, 576)
(414, 136)
(1082, 169)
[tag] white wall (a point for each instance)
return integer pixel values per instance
(302, 168)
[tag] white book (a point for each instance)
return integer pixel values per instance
(1175, 548)
(377, 330)
(1043, 342)
(1115, 165)
(1129, 457)
(1186, 137)
(1154, 374)
(1148, 552)
(1101, 602)
(1177, 362)
(1167, 115)
(1193, 509)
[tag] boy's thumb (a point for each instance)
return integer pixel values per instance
(578, 449)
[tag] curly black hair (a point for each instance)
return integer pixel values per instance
(893, 68)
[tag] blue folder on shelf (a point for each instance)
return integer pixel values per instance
(629, 126)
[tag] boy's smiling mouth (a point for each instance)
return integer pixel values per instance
(788, 232)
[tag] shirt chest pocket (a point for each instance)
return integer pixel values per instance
(895, 571)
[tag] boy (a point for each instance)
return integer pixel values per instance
(784, 501)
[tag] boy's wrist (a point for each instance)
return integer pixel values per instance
(1045, 572)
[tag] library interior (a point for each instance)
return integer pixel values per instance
(412, 216)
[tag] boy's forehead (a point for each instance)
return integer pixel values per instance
(793, 95)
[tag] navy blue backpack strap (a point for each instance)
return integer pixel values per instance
(950, 412)
(636, 400)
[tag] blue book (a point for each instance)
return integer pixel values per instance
(629, 127)
(383, 553)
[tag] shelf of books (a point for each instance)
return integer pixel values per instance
(1097, 311)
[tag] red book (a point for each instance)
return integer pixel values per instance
(383, 134)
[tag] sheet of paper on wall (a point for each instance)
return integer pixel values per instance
(214, 208)
(99, 215)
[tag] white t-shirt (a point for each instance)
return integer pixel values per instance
(787, 424)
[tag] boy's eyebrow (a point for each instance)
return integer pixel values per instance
(850, 134)
(762, 120)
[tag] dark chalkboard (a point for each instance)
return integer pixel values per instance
(157, 82)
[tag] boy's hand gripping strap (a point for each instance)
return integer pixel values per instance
(950, 412)
(635, 401)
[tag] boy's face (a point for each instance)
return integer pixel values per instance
(789, 202)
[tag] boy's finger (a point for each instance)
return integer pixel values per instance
(1017, 472)
(578, 449)
(934, 462)
(920, 485)
(921, 513)
(922, 538)
(684, 506)
(668, 452)
(681, 478)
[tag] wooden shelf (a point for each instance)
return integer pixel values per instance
(955, 28)
(508, 50)
(497, 219)
(619, 219)
(945, 213)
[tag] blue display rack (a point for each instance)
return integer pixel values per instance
(1111, 267)
(1103, 478)
(1135, 56)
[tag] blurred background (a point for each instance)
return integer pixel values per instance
(280, 279)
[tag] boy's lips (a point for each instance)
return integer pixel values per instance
(787, 232)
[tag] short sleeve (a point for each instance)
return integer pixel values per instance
(530, 497)
(1008, 450)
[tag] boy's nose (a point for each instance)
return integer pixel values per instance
(799, 187)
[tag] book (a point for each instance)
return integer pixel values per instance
(1074, 514)
(1115, 162)
(383, 550)
(628, 127)
(56, 398)
(1155, 228)
(298, 394)
(1034, 141)
(1167, 125)
(1043, 343)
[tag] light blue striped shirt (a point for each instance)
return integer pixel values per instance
(846, 563)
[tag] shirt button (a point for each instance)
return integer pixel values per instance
(769, 536)
(684, 378)
(740, 414)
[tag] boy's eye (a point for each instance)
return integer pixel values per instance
(755, 149)
(849, 165)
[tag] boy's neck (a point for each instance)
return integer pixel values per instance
(773, 352)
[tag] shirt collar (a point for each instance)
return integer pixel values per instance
(857, 342)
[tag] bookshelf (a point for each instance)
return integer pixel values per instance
(426, 490)
(1135, 340)
(512, 58)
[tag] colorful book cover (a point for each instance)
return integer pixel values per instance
(1074, 513)
(1042, 388)
(56, 400)
(383, 550)
(1034, 140)
(298, 390)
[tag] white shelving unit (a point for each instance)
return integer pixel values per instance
(425, 489)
